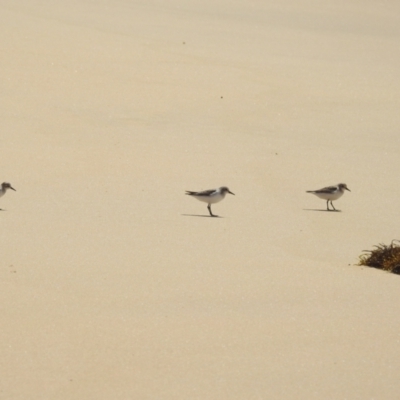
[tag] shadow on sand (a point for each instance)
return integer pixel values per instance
(197, 215)
(314, 209)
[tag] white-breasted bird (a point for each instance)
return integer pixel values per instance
(210, 196)
(4, 187)
(330, 193)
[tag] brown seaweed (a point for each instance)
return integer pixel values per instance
(386, 257)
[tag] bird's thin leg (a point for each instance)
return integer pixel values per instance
(333, 206)
(209, 209)
(327, 205)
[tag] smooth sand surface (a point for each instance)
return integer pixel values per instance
(113, 283)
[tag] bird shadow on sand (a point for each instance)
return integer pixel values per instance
(198, 215)
(314, 209)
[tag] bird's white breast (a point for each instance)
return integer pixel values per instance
(330, 196)
(214, 198)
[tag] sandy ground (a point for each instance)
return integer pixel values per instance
(113, 283)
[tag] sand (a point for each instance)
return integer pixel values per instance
(113, 283)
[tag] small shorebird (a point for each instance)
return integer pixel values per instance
(330, 193)
(4, 187)
(210, 196)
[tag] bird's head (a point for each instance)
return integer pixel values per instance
(6, 185)
(225, 190)
(343, 186)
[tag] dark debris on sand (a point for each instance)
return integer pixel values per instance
(383, 257)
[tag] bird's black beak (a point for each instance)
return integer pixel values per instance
(231, 192)
(12, 188)
(348, 189)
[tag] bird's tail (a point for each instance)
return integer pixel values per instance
(190, 193)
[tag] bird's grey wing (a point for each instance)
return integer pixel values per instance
(203, 193)
(328, 189)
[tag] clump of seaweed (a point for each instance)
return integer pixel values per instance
(383, 257)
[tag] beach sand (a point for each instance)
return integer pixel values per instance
(113, 283)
